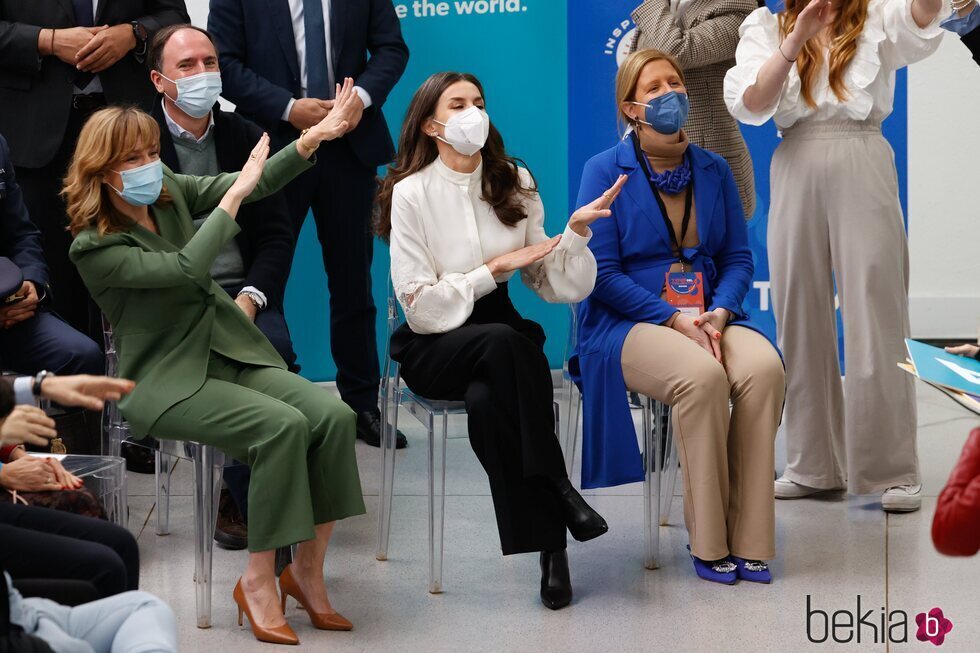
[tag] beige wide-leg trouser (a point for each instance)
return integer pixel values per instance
(835, 215)
(726, 456)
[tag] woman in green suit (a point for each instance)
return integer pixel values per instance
(203, 371)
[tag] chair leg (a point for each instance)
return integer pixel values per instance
(207, 489)
(389, 430)
(651, 483)
(670, 469)
(437, 499)
(572, 412)
(162, 471)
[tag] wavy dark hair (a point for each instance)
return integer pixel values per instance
(501, 184)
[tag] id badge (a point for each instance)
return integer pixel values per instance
(685, 292)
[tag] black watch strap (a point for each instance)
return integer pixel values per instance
(38, 380)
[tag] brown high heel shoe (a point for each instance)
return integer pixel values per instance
(279, 635)
(320, 620)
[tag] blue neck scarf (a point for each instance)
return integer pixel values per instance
(672, 181)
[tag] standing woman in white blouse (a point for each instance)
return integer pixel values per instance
(462, 216)
(825, 71)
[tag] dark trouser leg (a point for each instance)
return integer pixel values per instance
(42, 543)
(505, 381)
(41, 187)
(65, 592)
(342, 206)
(45, 342)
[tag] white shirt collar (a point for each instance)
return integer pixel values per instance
(179, 132)
(458, 178)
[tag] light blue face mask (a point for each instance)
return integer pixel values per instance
(196, 94)
(667, 113)
(142, 185)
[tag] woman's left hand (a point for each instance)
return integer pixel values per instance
(597, 208)
(713, 323)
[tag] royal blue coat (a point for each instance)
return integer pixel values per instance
(633, 252)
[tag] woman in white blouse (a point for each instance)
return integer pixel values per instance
(825, 71)
(461, 217)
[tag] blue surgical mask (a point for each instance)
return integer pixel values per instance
(196, 94)
(142, 185)
(667, 113)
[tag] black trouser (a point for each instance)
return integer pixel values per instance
(340, 191)
(41, 543)
(496, 365)
(70, 298)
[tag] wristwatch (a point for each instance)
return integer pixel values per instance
(254, 298)
(38, 380)
(141, 37)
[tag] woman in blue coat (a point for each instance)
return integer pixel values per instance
(665, 320)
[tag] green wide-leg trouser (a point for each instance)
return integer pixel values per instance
(297, 438)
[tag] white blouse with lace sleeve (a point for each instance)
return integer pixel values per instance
(442, 235)
(891, 39)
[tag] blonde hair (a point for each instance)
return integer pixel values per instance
(629, 76)
(847, 27)
(109, 136)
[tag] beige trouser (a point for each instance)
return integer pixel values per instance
(835, 214)
(727, 457)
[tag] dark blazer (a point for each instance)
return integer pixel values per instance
(972, 41)
(266, 239)
(20, 240)
(260, 67)
(37, 91)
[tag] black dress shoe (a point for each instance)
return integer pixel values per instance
(556, 584)
(230, 531)
(369, 430)
(583, 522)
(139, 459)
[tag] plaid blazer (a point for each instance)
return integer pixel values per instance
(704, 44)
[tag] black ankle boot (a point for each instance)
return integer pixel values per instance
(583, 522)
(556, 585)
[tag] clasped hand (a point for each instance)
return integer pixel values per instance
(706, 329)
(92, 49)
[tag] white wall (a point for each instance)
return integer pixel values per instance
(944, 193)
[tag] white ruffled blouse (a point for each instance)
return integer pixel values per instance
(891, 40)
(442, 235)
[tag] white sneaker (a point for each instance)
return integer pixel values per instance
(903, 498)
(787, 489)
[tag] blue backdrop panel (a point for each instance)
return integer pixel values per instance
(520, 56)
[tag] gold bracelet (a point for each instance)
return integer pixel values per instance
(52, 41)
(303, 143)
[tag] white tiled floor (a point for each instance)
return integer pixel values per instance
(831, 549)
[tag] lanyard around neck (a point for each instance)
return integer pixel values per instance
(688, 201)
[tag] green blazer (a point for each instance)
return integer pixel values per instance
(166, 312)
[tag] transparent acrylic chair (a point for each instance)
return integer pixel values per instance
(659, 450)
(427, 412)
(208, 464)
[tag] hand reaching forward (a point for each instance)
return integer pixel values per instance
(523, 257)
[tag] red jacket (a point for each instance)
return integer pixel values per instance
(956, 525)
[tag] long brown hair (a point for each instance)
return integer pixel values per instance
(109, 137)
(847, 27)
(501, 183)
